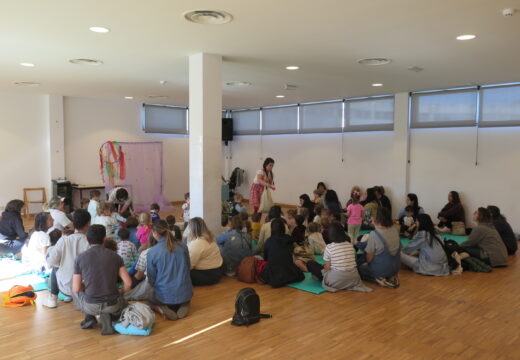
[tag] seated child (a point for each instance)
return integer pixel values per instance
(110, 244)
(154, 212)
(85, 203)
(145, 228)
(120, 221)
(290, 216)
(408, 223)
(325, 220)
(317, 212)
(170, 220)
(93, 204)
(131, 225)
(298, 232)
(95, 282)
(315, 239)
(237, 205)
(256, 225)
(35, 249)
(244, 216)
(318, 200)
(104, 217)
(126, 249)
(305, 213)
(186, 209)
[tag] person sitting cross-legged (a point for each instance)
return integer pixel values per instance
(95, 282)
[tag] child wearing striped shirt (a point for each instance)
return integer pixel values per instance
(340, 271)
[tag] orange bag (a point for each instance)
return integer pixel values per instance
(19, 295)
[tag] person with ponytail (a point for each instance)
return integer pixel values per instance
(206, 261)
(168, 272)
(431, 258)
(484, 242)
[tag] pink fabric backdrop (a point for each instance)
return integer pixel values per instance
(144, 175)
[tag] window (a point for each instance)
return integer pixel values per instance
(444, 108)
(164, 119)
(246, 122)
(500, 106)
(369, 114)
(280, 120)
(322, 117)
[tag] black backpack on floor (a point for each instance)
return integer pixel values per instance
(247, 308)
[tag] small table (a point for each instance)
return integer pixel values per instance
(80, 188)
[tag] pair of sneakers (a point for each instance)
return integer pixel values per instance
(52, 300)
(391, 282)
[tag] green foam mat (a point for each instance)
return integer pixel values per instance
(457, 238)
(309, 284)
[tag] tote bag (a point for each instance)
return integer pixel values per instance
(266, 201)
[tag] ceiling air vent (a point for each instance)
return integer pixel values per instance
(208, 17)
(374, 61)
(91, 62)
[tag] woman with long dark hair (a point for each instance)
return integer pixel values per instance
(452, 214)
(504, 229)
(484, 242)
(371, 204)
(413, 201)
(305, 202)
(332, 202)
(12, 233)
(263, 179)
(425, 254)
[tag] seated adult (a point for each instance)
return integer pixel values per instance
(452, 212)
(236, 246)
(95, 282)
(425, 254)
(332, 203)
(121, 199)
(382, 252)
(280, 269)
(383, 199)
(56, 209)
(340, 271)
(168, 272)
(413, 201)
(504, 229)
(63, 255)
(12, 233)
(205, 259)
(305, 202)
(265, 231)
(484, 242)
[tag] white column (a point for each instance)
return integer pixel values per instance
(400, 152)
(205, 138)
(56, 137)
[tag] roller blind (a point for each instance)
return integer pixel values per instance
(280, 120)
(500, 106)
(369, 114)
(321, 118)
(162, 119)
(444, 109)
(246, 122)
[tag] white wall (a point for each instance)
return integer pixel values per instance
(444, 160)
(91, 122)
(24, 145)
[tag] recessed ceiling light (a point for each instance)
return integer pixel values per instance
(208, 17)
(26, 64)
(466, 37)
(238, 83)
(27, 83)
(292, 67)
(129, 97)
(377, 84)
(99, 29)
(280, 96)
(374, 61)
(91, 62)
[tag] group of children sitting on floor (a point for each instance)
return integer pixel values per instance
(100, 248)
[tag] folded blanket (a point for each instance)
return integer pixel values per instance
(139, 315)
(132, 330)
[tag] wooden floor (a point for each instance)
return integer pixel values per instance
(471, 316)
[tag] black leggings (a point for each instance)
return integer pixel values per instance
(205, 277)
(315, 269)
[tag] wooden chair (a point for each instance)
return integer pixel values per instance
(26, 192)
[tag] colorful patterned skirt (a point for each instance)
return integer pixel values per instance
(255, 193)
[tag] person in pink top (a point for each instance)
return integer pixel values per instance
(145, 227)
(355, 217)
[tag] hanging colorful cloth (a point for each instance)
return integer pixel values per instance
(112, 161)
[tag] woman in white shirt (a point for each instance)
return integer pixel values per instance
(205, 259)
(61, 221)
(35, 250)
(263, 179)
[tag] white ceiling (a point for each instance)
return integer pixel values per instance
(150, 41)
